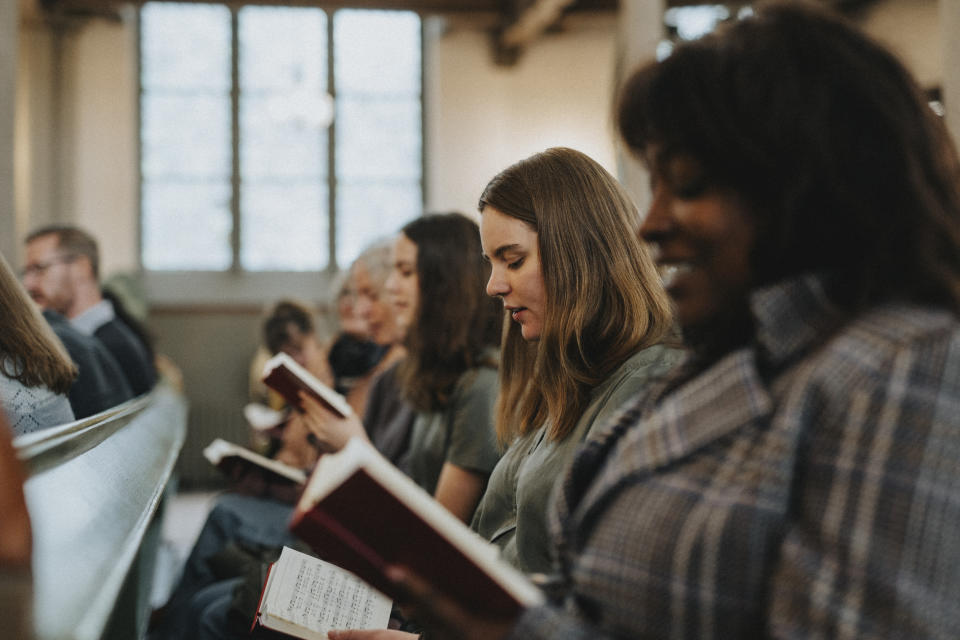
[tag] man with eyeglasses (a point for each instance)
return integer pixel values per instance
(62, 275)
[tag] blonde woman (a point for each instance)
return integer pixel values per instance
(35, 371)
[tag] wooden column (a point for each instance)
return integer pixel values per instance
(950, 88)
(641, 28)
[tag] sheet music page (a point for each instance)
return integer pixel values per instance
(320, 596)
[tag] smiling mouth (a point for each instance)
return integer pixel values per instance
(669, 273)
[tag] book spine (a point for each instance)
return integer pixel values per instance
(263, 594)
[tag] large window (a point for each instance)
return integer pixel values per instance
(275, 139)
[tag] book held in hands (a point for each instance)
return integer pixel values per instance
(226, 455)
(282, 374)
(361, 513)
(305, 597)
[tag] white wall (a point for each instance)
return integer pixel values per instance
(76, 135)
(911, 28)
(104, 175)
(483, 118)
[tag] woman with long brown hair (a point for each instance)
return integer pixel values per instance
(588, 318)
(35, 371)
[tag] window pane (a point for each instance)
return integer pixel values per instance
(284, 118)
(376, 51)
(185, 46)
(186, 226)
(378, 126)
(378, 138)
(283, 49)
(271, 148)
(284, 227)
(371, 211)
(185, 135)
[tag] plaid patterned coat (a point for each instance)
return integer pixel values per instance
(799, 488)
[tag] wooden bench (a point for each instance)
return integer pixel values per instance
(93, 491)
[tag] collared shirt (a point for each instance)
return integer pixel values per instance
(94, 317)
(807, 485)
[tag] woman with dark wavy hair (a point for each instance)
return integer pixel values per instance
(798, 478)
(449, 375)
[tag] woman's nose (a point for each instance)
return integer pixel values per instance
(496, 285)
(659, 218)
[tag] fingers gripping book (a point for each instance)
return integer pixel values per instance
(282, 374)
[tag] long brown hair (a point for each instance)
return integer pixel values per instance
(455, 323)
(604, 297)
(29, 350)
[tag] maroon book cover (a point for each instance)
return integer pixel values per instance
(282, 374)
(362, 527)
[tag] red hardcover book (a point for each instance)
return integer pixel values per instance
(282, 374)
(361, 513)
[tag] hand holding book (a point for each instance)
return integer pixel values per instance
(331, 431)
(443, 616)
(361, 513)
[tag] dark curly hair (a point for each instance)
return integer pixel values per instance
(827, 138)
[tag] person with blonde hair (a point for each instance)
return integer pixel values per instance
(35, 371)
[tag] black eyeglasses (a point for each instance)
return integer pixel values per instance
(39, 268)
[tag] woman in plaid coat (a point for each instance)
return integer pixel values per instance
(801, 476)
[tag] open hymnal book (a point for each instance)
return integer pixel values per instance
(305, 597)
(361, 513)
(282, 374)
(221, 453)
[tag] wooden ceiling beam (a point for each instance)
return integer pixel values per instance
(523, 21)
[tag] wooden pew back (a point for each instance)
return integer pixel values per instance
(93, 492)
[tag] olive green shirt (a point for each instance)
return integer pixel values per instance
(462, 434)
(512, 513)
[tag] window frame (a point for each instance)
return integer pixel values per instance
(236, 285)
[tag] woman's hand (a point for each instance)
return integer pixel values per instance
(331, 431)
(295, 448)
(442, 616)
